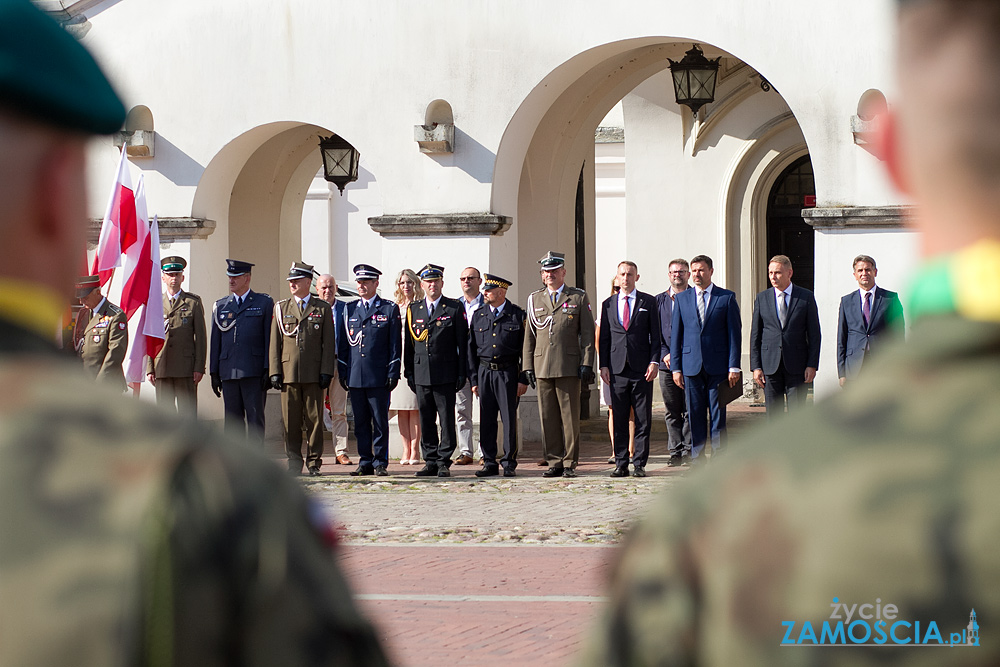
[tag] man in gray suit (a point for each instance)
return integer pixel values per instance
(784, 339)
(864, 314)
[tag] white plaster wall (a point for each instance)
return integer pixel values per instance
(610, 215)
(895, 252)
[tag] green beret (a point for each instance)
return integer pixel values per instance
(49, 77)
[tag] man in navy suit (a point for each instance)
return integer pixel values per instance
(864, 315)
(705, 351)
(241, 338)
(678, 429)
(368, 358)
(629, 360)
(336, 416)
(784, 339)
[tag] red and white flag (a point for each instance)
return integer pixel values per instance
(119, 230)
(143, 289)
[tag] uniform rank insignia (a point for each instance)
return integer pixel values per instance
(97, 338)
(381, 318)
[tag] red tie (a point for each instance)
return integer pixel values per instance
(625, 318)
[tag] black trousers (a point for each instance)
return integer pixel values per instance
(784, 385)
(437, 403)
(243, 400)
(498, 398)
(630, 391)
(371, 424)
(678, 428)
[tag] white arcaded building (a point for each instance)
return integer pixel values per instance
(566, 137)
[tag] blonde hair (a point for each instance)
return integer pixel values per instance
(418, 291)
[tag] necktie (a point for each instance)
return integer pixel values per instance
(625, 314)
(302, 306)
(553, 295)
(430, 308)
(782, 309)
(867, 309)
(702, 305)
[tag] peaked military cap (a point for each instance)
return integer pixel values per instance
(300, 270)
(366, 272)
(431, 272)
(47, 76)
(490, 281)
(235, 267)
(86, 285)
(553, 260)
(173, 264)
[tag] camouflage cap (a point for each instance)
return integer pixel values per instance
(49, 77)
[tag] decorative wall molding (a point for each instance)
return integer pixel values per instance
(453, 224)
(171, 229)
(836, 217)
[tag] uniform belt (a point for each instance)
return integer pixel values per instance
(493, 366)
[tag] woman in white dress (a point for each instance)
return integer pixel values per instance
(402, 400)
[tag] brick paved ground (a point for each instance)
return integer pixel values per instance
(505, 571)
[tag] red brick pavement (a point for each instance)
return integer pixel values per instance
(479, 605)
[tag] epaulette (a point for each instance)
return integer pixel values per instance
(573, 290)
(284, 300)
(114, 309)
(193, 296)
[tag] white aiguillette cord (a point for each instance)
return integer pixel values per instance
(535, 322)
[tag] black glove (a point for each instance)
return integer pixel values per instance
(587, 375)
(412, 385)
(217, 384)
(265, 383)
(276, 382)
(461, 382)
(530, 376)
(391, 384)
(343, 382)
(325, 380)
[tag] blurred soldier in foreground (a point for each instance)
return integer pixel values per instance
(180, 364)
(241, 335)
(870, 522)
(303, 361)
(130, 537)
(105, 334)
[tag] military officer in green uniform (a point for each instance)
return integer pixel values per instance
(872, 522)
(105, 334)
(303, 361)
(558, 356)
(130, 536)
(180, 363)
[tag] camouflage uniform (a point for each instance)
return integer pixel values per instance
(129, 540)
(887, 492)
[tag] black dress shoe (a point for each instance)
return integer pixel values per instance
(569, 472)
(427, 471)
(380, 471)
(675, 460)
(362, 470)
(444, 472)
(488, 471)
(640, 471)
(314, 471)
(553, 472)
(509, 472)
(621, 471)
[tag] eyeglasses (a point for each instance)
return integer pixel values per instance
(677, 273)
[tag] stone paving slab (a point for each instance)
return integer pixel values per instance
(480, 605)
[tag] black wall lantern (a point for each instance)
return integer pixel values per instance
(340, 161)
(694, 79)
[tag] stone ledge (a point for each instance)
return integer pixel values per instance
(609, 135)
(837, 217)
(455, 224)
(171, 229)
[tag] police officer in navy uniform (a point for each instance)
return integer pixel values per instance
(435, 358)
(496, 339)
(368, 358)
(241, 337)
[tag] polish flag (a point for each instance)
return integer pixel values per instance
(119, 231)
(137, 272)
(143, 289)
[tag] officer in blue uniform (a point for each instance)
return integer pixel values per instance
(368, 357)
(241, 337)
(496, 339)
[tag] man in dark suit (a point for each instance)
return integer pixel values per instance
(705, 343)
(784, 339)
(629, 360)
(435, 363)
(864, 315)
(368, 361)
(336, 396)
(678, 429)
(241, 336)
